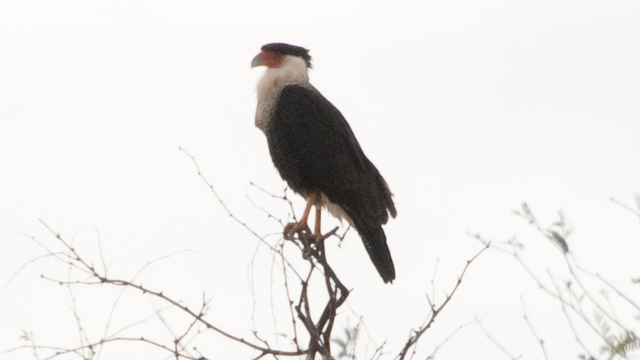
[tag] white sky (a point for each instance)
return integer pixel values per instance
(467, 108)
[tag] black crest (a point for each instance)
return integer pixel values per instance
(286, 49)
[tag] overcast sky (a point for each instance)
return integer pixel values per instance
(467, 108)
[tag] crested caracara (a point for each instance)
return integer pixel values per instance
(316, 153)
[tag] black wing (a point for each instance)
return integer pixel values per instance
(314, 149)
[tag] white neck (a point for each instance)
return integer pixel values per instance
(292, 71)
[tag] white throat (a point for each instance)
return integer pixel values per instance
(292, 71)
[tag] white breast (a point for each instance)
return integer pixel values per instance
(292, 71)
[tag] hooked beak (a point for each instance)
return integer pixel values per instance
(257, 61)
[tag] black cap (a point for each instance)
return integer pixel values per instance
(286, 49)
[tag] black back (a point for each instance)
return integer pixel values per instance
(314, 149)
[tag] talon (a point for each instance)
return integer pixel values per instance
(291, 229)
(301, 228)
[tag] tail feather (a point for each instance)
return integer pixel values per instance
(375, 242)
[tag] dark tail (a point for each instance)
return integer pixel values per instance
(376, 244)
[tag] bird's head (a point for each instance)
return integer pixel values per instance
(276, 55)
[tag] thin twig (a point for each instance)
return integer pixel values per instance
(102, 280)
(526, 318)
(495, 342)
(231, 214)
(433, 354)
(435, 311)
(636, 212)
(564, 310)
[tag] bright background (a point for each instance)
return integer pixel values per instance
(467, 108)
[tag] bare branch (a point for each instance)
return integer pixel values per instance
(526, 318)
(413, 340)
(495, 342)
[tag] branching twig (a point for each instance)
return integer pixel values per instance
(634, 211)
(526, 318)
(495, 342)
(101, 279)
(564, 310)
(413, 340)
(449, 337)
(63, 351)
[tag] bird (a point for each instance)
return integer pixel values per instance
(315, 151)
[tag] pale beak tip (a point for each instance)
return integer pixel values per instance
(257, 61)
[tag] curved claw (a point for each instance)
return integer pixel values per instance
(291, 229)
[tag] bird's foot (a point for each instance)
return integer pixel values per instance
(303, 232)
(301, 229)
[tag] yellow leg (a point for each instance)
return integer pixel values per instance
(307, 211)
(317, 234)
(291, 229)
